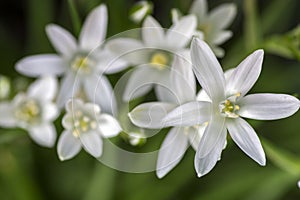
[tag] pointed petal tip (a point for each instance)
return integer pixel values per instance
(160, 174)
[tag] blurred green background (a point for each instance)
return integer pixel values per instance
(28, 171)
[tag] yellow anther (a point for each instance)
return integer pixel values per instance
(238, 94)
(236, 107)
(160, 60)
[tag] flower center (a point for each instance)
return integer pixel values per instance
(28, 111)
(83, 123)
(82, 64)
(229, 108)
(159, 60)
(205, 28)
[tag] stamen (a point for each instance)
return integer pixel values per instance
(159, 60)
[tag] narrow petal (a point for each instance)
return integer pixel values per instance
(92, 143)
(99, 91)
(199, 8)
(94, 28)
(150, 115)
(108, 125)
(165, 94)
(207, 163)
(62, 40)
(214, 132)
(268, 106)
(152, 32)
(183, 80)
(245, 74)
(181, 32)
(39, 87)
(69, 88)
(223, 15)
(208, 70)
(189, 114)
(222, 37)
(68, 146)
(245, 137)
(44, 134)
(38, 65)
(7, 118)
(171, 151)
(128, 49)
(141, 81)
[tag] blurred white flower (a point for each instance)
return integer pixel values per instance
(85, 126)
(211, 25)
(153, 55)
(81, 63)
(33, 111)
(140, 10)
(226, 103)
(150, 115)
(4, 87)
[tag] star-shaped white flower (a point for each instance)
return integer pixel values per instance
(85, 126)
(33, 111)
(153, 55)
(211, 25)
(227, 103)
(150, 115)
(81, 63)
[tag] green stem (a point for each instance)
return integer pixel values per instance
(252, 26)
(74, 17)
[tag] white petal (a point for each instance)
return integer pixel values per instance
(245, 74)
(38, 65)
(199, 8)
(150, 115)
(164, 93)
(222, 16)
(183, 80)
(69, 88)
(189, 114)
(245, 137)
(175, 15)
(222, 37)
(92, 143)
(128, 49)
(94, 28)
(208, 70)
(141, 81)
(68, 146)
(62, 40)
(7, 119)
(109, 126)
(44, 134)
(195, 134)
(109, 63)
(171, 151)
(99, 91)
(50, 112)
(152, 32)
(215, 130)
(218, 51)
(268, 106)
(181, 32)
(44, 88)
(206, 164)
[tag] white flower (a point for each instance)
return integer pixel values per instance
(85, 126)
(81, 63)
(150, 115)
(33, 111)
(154, 54)
(227, 103)
(211, 25)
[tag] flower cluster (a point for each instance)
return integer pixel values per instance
(167, 60)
